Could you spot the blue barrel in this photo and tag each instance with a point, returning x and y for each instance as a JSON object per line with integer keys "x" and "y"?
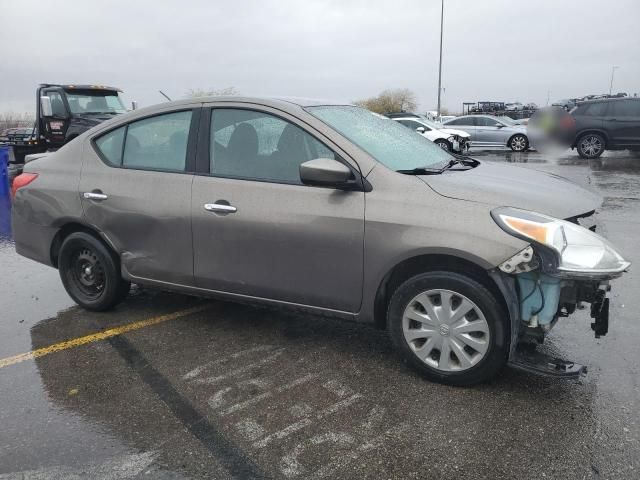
{"x": 4, "y": 171}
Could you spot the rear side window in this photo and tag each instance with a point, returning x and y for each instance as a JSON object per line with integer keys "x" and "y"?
{"x": 462, "y": 121}
{"x": 625, "y": 108}
{"x": 110, "y": 145}
{"x": 486, "y": 122}
{"x": 593, "y": 110}
{"x": 412, "y": 124}
{"x": 158, "y": 143}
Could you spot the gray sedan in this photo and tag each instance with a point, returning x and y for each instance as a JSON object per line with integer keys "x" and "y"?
{"x": 324, "y": 208}
{"x": 490, "y": 131}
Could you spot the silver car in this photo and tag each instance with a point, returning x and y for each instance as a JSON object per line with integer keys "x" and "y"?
{"x": 490, "y": 131}
{"x": 324, "y": 208}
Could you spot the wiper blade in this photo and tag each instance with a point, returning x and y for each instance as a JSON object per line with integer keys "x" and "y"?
{"x": 420, "y": 171}
{"x": 453, "y": 162}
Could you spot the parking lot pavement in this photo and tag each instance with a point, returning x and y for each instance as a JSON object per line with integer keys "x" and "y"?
{"x": 170, "y": 386}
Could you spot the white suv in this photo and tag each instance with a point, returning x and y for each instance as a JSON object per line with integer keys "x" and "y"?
{"x": 449, "y": 139}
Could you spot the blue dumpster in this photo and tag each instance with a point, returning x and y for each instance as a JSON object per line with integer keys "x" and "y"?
{"x": 5, "y": 202}
{"x": 4, "y": 172}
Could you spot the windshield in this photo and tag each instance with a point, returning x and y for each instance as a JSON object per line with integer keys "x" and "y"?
{"x": 507, "y": 120}
{"x": 389, "y": 142}
{"x": 95, "y": 101}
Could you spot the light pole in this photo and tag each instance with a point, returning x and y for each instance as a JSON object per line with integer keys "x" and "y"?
{"x": 613, "y": 69}
{"x": 440, "y": 66}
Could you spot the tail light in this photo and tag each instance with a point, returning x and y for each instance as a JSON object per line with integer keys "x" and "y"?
{"x": 20, "y": 181}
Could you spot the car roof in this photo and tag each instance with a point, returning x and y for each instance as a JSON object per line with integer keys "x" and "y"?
{"x": 276, "y": 102}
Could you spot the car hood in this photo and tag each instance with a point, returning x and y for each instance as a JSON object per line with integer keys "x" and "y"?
{"x": 453, "y": 131}
{"x": 510, "y": 186}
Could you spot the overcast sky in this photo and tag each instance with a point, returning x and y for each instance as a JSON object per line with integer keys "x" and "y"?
{"x": 501, "y": 50}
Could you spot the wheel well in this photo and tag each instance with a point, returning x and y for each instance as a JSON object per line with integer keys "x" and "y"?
{"x": 64, "y": 232}
{"x": 429, "y": 263}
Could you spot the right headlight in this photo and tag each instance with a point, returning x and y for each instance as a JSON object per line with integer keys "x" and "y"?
{"x": 578, "y": 250}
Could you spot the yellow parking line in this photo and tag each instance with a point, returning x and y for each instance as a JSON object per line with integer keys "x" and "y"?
{"x": 96, "y": 337}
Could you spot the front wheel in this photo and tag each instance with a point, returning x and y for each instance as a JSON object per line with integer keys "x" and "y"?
{"x": 449, "y": 327}
{"x": 518, "y": 143}
{"x": 90, "y": 272}
{"x": 443, "y": 144}
{"x": 591, "y": 145}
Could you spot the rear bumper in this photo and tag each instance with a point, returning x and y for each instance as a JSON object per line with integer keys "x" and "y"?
{"x": 33, "y": 241}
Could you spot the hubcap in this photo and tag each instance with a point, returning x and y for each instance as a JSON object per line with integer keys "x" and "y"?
{"x": 591, "y": 145}
{"x": 518, "y": 143}
{"x": 446, "y": 330}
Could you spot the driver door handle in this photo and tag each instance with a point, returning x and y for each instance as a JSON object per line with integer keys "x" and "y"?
{"x": 95, "y": 196}
{"x": 220, "y": 208}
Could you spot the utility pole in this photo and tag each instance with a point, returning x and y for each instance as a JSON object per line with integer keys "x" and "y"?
{"x": 613, "y": 69}
{"x": 440, "y": 67}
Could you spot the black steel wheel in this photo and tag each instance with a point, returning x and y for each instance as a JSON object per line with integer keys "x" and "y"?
{"x": 90, "y": 272}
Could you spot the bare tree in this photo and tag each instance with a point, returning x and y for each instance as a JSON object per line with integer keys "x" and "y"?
{"x": 394, "y": 100}
{"x": 211, "y": 92}
{"x": 14, "y": 120}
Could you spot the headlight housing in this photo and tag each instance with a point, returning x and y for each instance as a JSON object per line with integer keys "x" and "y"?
{"x": 578, "y": 250}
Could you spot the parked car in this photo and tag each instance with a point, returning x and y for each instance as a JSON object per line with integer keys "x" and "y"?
{"x": 453, "y": 140}
{"x": 458, "y": 258}
{"x": 513, "y": 106}
{"x": 566, "y": 103}
{"x": 443, "y": 118}
{"x": 606, "y": 124}
{"x": 490, "y": 131}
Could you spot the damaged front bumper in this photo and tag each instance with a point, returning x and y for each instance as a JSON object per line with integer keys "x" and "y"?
{"x": 539, "y": 293}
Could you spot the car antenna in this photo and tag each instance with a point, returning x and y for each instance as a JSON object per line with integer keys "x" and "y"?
{"x": 164, "y": 95}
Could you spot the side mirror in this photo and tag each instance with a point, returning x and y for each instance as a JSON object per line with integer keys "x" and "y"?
{"x": 421, "y": 129}
{"x": 45, "y": 107}
{"x": 499, "y": 125}
{"x": 325, "y": 172}
{"x": 134, "y": 105}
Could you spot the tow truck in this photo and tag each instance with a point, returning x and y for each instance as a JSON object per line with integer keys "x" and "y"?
{"x": 62, "y": 113}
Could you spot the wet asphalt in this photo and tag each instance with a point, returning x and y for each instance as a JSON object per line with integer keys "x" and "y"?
{"x": 234, "y": 391}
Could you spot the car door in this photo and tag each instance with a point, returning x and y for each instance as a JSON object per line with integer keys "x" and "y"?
{"x": 257, "y": 230}
{"x": 490, "y": 132}
{"x": 136, "y": 190}
{"x": 623, "y": 122}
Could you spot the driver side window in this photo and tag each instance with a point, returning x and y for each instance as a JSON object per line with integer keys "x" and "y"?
{"x": 259, "y": 146}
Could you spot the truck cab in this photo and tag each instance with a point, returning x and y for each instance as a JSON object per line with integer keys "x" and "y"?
{"x": 66, "y": 111}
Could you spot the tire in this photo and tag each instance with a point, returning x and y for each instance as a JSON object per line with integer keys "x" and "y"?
{"x": 590, "y": 145}
{"x": 467, "y": 365}
{"x": 90, "y": 272}
{"x": 518, "y": 143}
{"x": 443, "y": 144}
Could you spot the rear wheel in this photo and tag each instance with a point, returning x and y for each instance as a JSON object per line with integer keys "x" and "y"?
{"x": 443, "y": 144}
{"x": 90, "y": 272}
{"x": 449, "y": 327}
{"x": 591, "y": 145}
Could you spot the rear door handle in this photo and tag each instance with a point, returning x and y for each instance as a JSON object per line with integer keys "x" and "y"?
{"x": 220, "y": 208}
{"x": 95, "y": 196}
